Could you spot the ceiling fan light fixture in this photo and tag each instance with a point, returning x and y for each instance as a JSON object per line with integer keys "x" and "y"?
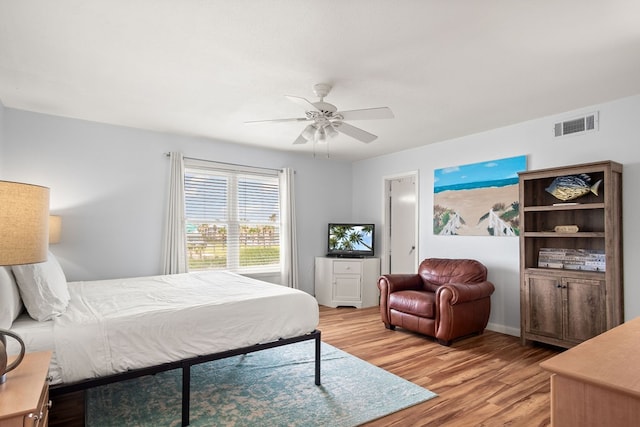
{"x": 309, "y": 132}
{"x": 330, "y": 131}
{"x": 321, "y": 135}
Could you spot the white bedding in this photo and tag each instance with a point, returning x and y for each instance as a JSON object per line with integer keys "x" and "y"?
{"x": 111, "y": 326}
{"x": 37, "y": 336}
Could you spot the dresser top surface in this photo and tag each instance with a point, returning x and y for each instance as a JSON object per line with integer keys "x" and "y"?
{"x": 609, "y": 360}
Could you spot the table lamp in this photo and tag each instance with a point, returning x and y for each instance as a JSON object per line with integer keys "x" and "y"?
{"x": 24, "y": 236}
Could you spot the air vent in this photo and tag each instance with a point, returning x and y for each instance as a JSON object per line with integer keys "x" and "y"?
{"x": 576, "y": 126}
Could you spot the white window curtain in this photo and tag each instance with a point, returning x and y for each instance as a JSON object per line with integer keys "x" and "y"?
{"x": 175, "y": 241}
{"x": 289, "y": 247}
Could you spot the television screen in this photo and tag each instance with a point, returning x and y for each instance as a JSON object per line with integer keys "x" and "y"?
{"x": 351, "y": 240}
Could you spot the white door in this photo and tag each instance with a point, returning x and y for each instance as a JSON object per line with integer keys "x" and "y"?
{"x": 402, "y": 225}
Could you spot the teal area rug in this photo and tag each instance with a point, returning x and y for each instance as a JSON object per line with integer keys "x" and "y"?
{"x": 272, "y": 387}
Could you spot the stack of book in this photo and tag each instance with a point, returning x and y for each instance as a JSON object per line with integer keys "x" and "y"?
{"x": 572, "y": 259}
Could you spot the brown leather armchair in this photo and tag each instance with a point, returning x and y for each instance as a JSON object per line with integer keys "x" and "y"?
{"x": 447, "y": 299}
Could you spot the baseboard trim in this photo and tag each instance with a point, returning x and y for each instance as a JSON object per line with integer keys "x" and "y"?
{"x": 503, "y": 329}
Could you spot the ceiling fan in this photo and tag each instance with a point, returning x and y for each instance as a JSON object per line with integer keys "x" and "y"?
{"x": 327, "y": 121}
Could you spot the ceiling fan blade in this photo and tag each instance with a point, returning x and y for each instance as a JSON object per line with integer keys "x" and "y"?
{"x": 307, "y": 105}
{"x": 354, "y": 132}
{"x": 367, "y": 114}
{"x": 300, "y": 140}
{"x": 297, "y": 119}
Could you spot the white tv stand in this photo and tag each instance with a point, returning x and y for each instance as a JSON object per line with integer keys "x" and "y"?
{"x": 347, "y": 281}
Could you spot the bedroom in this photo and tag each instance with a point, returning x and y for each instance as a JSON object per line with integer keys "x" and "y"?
{"x": 108, "y": 181}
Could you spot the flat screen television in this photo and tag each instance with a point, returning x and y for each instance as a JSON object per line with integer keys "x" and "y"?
{"x": 351, "y": 240}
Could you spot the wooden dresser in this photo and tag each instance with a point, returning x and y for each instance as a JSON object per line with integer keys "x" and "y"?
{"x": 24, "y": 397}
{"x": 597, "y": 383}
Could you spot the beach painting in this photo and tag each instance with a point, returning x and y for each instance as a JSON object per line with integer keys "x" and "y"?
{"x": 478, "y": 199}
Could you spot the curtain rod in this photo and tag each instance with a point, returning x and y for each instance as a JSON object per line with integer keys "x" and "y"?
{"x": 227, "y": 163}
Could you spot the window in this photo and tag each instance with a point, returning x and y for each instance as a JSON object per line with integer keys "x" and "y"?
{"x": 232, "y": 218}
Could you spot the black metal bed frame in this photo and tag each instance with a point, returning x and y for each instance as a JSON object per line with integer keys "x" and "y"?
{"x": 185, "y": 365}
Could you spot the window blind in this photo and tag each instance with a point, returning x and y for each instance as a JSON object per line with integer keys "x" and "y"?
{"x": 232, "y": 219}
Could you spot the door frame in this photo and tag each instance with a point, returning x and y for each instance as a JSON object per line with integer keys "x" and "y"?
{"x": 385, "y": 265}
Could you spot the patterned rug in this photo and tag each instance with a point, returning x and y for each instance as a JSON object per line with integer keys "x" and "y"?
{"x": 272, "y": 387}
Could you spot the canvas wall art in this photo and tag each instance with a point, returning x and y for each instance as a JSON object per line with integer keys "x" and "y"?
{"x": 478, "y": 199}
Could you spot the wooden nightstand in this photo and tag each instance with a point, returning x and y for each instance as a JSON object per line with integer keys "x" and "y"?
{"x": 24, "y": 397}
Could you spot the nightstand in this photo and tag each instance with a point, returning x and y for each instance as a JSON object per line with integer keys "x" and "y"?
{"x": 24, "y": 397}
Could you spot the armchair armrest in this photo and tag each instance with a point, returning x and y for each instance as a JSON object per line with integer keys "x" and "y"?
{"x": 389, "y": 283}
{"x": 462, "y": 309}
{"x": 458, "y": 293}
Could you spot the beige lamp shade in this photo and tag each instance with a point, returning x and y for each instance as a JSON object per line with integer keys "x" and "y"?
{"x": 24, "y": 223}
{"x": 55, "y": 229}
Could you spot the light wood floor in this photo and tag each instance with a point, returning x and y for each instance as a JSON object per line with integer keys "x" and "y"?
{"x": 487, "y": 380}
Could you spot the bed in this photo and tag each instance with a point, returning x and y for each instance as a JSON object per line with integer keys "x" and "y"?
{"x": 112, "y": 330}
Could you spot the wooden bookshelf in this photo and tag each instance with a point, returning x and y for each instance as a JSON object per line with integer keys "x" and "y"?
{"x": 560, "y": 306}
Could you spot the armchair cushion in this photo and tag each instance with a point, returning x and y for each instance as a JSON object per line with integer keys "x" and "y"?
{"x": 417, "y": 303}
{"x": 436, "y": 272}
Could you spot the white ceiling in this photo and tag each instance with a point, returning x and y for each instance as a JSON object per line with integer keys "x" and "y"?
{"x": 204, "y": 67}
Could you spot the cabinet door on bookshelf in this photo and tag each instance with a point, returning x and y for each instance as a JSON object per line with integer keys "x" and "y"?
{"x": 563, "y": 308}
{"x": 585, "y": 316}
{"x": 544, "y": 298}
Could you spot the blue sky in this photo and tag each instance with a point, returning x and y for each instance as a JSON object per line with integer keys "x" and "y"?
{"x": 490, "y": 170}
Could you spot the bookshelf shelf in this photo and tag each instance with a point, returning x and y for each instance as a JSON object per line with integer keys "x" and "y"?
{"x": 553, "y": 234}
{"x": 564, "y": 207}
{"x": 595, "y": 275}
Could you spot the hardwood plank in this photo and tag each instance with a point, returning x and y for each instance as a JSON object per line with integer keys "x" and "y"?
{"x": 487, "y": 380}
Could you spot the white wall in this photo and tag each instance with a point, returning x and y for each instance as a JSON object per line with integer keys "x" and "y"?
{"x": 617, "y": 139}
{"x": 108, "y": 184}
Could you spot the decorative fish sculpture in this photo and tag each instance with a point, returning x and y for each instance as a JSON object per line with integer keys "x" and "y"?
{"x": 572, "y": 186}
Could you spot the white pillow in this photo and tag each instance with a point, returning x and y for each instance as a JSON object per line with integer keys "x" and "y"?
{"x": 10, "y": 303}
{"x": 43, "y": 288}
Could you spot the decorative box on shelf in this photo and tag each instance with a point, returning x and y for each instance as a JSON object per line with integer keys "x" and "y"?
{"x": 566, "y": 229}
{"x": 572, "y": 259}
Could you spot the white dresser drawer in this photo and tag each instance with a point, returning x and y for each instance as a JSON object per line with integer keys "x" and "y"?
{"x": 347, "y": 267}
